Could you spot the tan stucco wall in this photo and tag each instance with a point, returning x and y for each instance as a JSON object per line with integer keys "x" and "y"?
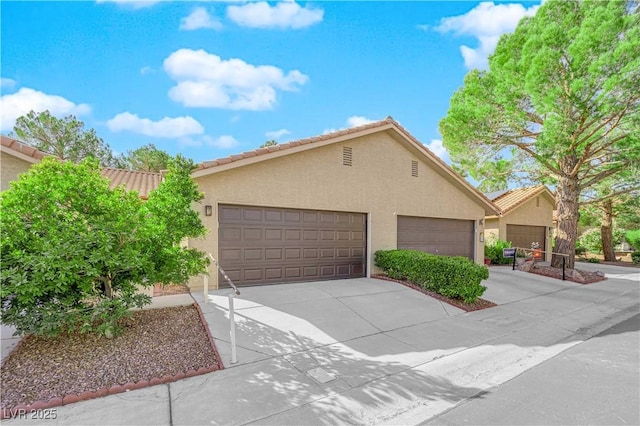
{"x": 530, "y": 214}
{"x": 11, "y": 167}
{"x": 378, "y": 183}
{"x": 491, "y": 229}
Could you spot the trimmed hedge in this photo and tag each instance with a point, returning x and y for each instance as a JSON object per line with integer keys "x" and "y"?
{"x": 635, "y": 256}
{"x": 453, "y": 277}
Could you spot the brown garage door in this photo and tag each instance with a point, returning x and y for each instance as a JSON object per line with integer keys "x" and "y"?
{"x": 266, "y": 245}
{"x": 450, "y": 237}
{"x": 524, "y": 235}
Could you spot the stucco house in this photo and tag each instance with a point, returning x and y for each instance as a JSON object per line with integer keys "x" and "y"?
{"x": 526, "y": 216}
{"x": 16, "y": 158}
{"x": 319, "y": 208}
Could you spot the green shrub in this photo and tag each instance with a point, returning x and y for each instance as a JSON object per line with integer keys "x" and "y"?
{"x": 592, "y": 260}
{"x": 635, "y": 257}
{"x": 453, "y": 277}
{"x": 592, "y": 239}
{"x": 580, "y": 250}
{"x": 493, "y": 250}
{"x": 633, "y": 238}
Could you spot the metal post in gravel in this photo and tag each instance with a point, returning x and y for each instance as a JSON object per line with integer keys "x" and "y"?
{"x": 232, "y": 322}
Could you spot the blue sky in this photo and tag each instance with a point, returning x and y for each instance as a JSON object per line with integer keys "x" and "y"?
{"x": 208, "y": 79}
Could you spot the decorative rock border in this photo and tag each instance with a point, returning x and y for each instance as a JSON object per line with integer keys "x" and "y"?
{"x": 7, "y": 413}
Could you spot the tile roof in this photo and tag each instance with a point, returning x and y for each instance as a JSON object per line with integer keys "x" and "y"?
{"x": 8, "y": 144}
{"x": 387, "y": 123}
{"x": 284, "y": 146}
{"x": 142, "y": 182}
{"x": 513, "y": 198}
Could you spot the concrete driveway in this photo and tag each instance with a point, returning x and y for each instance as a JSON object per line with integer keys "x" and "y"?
{"x": 366, "y": 351}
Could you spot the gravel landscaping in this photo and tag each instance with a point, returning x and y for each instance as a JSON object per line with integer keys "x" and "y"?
{"x": 156, "y": 343}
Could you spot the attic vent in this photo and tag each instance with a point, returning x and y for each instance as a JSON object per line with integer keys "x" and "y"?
{"x": 537, "y": 201}
{"x": 347, "y": 156}
{"x": 414, "y": 168}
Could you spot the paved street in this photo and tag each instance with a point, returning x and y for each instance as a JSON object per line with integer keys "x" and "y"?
{"x": 596, "y": 383}
{"x": 367, "y": 351}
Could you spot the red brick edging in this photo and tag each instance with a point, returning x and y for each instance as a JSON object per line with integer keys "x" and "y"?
{"x": 25, "y": 409}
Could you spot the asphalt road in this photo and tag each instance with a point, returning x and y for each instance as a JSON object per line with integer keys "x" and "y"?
{"x": 594, "y": 383}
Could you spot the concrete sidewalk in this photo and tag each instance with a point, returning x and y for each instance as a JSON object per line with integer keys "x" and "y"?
{"x": 367, "y": 351}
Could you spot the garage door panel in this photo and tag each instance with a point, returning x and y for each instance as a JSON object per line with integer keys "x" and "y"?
{"x": 449, "y": 237}
{"x": 271, "y": 245}
{"x": 524, "y": 235}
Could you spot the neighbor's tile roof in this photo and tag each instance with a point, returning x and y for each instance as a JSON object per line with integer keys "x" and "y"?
{"x": 24, "y": 149}
{"x": 142, "y": 182}
{"x": 513, "y": 198}
{"x": 284, "y": 146}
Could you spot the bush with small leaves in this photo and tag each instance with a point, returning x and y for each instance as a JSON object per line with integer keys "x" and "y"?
{"x": 453, "y": 277}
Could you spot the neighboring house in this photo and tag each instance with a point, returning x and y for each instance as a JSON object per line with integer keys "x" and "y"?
{"x": 319, "y": 208}
{"x": 526, "y": 216}
{"x": 142, "y": 182}
{"x": 15, "y": 159}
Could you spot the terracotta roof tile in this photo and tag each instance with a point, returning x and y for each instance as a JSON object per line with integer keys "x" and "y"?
{"x": 142, "y": 182}
{"x": 284, "y": 146}
{"x": 24, "y": 149}
{"x": 513, "y": 198}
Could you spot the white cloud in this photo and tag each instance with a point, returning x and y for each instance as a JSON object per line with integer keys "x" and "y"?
{"x": 287, "y": 14}
{"x": 146, "y": 70}
{"x": 438, "y": 149}
{"x": 222, "y": 142}
{"x": 200, "y": 18}
{"x": 206, "y": 80}
{"x": 25, "y": 100}
{"x": 353, "y": 121}
{"x": 134, "y": 4}
{"x": 486, "y": 22}
{"x": 277, "y": 134}
{"x": 7, "y": 83}
{"x": 358, "y": 120}
{"x": 165, "y": 128}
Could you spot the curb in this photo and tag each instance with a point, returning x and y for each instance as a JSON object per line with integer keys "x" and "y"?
{"x": 7, "y": 413}
{"x": 465, "y": 307}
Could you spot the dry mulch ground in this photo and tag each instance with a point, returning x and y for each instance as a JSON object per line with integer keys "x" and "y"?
{"x": 166, "y": 290}
{"x": 155, "y": 343}
{"x": 467, "y": 307}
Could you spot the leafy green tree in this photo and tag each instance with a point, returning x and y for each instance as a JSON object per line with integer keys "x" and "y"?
{"x": 147, "y": 158}
{"x": 560, "y": 103}
{"x": 270, "y": 142}
{"x": 74, "y": 251}
{"x": 65, "y": 138}
{"x": 613, "y": 203}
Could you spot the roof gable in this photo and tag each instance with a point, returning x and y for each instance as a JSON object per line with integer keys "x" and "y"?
{"x": 514, "y": 198}
{"x": 388, "y": 125}
{"x": 20, "y": 150}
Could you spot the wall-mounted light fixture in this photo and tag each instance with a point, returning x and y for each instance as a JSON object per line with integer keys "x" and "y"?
{"x": 481, "y": 221}
{"x": 208, "y": 210}
{"x": 482, "y": 237}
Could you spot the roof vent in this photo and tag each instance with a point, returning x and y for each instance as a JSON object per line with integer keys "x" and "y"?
{"x": 414, "y": 168}
{"x": 347, "y": 156}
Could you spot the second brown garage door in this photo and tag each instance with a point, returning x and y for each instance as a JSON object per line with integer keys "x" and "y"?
{"x": 266, "y": 245}
{"x": 524, "y": 235}
{"x": 449, "y": 237}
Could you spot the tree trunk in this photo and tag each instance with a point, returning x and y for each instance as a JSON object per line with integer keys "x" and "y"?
{"x": 606, "y": 231}
{"x": 567, "y": 194}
